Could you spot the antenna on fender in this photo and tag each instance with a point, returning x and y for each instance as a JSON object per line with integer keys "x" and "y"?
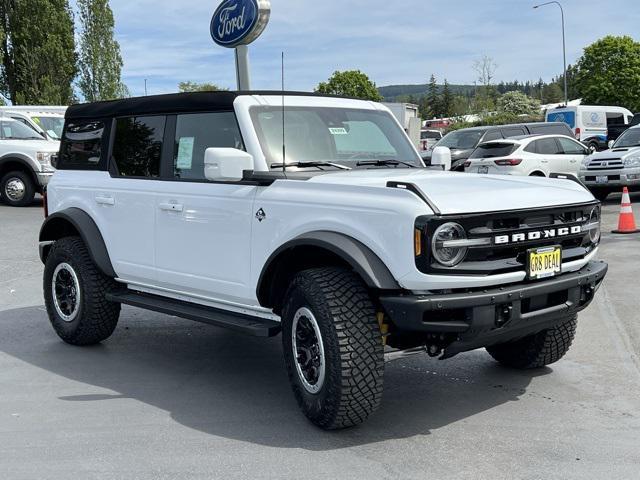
{"x": 284, "y": 153}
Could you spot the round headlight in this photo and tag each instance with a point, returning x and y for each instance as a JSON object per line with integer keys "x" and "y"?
{"x": 444, "y": 246}
{"x": 594, "y": 225}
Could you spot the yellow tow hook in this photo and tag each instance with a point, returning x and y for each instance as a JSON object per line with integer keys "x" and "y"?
{"x": 384, "y": 327}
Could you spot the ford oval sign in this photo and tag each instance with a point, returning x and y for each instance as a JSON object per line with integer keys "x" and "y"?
{"x": 239, "y": 22}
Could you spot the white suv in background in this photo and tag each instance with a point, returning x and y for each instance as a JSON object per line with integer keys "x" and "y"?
{"x": 25, "y": 162}
{"x": 46, "y": 120}
{"x": 534, "y": 155}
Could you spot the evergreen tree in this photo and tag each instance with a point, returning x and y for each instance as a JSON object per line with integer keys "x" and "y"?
{"x": 446, "y": 100}
{"x": 38, "y": 51}
{"x": 433, "y": 98}
{"x": 100, "y": 60}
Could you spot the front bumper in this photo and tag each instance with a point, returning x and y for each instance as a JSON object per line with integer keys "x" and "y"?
{"x": 624, "y": 177}
{"x": 480, "y": 318}
{"x": 43, "y": 178}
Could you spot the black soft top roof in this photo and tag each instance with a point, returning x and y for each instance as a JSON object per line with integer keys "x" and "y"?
{"x": 169, "y": 103}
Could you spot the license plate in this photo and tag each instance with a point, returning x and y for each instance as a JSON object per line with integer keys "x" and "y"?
{"x": 483, "y": 169}
{"x": 602, "y": 179}
{"x": 544, "y": 262}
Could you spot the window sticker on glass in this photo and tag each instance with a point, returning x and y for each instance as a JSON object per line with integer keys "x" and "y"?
{"x": 185, "y": 153}
{"x": 338, "y": 131}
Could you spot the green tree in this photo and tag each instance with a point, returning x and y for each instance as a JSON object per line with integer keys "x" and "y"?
{"x": 39, "y": 61}
{"x": 608, "y": 73}
{"x": 350, "y": 83}
{"x": 552, "y": 93}
{"x": 199, "y": 87}
{"x": 446, "y": 101}
{"x": 99, "y": 60}
{"x": 517, "y": 103}
{"x": 433, "y": 104}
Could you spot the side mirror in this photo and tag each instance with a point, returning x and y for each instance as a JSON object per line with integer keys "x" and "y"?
{"x": 610, "y": 144}
{"x": 226, "y": 164}
{"x": 441, "y": 156}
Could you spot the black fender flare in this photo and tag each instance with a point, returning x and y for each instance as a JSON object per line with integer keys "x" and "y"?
{"x": 65, "y": 222}
{"x": 361, "y": 258}
{"x": 21, "y": 160}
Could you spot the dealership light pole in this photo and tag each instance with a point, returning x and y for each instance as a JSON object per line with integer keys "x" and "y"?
{"x": 564, "y": 48}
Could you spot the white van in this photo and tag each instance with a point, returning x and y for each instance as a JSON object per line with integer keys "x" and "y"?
{"x": 590, "y": 124}
{"x": 47, "y": 120}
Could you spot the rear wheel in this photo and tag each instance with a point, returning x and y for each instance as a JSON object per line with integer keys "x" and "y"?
{"x": 332, "y": 347}
{"x": 17, "y": 189}
{"x": 538, "y": 350}
{"x": 74, "y": 293}
{"x": 593, "y": 147}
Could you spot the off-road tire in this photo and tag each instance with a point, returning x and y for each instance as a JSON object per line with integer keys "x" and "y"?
{"x": 353, "y": 350}
{"x": 97, "y": 317}
{"x": 29, "y": 189}
{"x": 538, "y": 350}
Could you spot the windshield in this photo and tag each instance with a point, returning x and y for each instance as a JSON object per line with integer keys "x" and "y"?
{"x": 338, "y": 135}
{"x": 461, "y": 139}
{"x": 12, "y": 130}
{"x": 52, "y": 125}
{"x": 630, "y": 138}
{"x": 492, "y": 150}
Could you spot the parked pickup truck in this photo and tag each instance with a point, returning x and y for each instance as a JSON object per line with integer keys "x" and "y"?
{"x": 338, "y": 238}
{"x": 615, "y": 130}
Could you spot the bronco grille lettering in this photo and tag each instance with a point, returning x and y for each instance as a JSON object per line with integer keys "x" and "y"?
{"x": 536, "y": 235}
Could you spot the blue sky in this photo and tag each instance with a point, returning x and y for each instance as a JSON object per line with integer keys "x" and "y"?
{"x": 394, "y": 42}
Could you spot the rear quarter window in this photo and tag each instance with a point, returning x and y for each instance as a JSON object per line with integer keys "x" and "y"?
{"x": 82, "y": 146}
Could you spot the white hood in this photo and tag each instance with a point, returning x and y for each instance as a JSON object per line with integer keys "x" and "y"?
{"x": 31, "y": 146}
{"x": 456, "y": 193}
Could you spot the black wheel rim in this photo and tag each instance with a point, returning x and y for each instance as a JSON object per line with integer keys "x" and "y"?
{"x": 65, "y": 289}
{"x": 308, "y": 350}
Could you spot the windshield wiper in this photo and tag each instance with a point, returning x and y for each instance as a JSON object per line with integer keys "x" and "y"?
{"x": 310, "y": 165}
{"x": 383, "y": 163}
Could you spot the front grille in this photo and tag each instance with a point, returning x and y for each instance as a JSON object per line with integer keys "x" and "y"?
{"x": 605, "y": 164}
{"x": 496, "y": 258}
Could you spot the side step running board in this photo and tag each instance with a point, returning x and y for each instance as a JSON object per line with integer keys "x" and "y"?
{"x": 238, "y": 322}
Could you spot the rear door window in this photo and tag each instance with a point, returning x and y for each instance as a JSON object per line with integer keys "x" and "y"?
{"x": 513, "y": 132}
{"x": 82, "y": 145}
{"x": 492, "y": 135}
{"x": 547, "y": 146}
{"x": 138, "y": 146}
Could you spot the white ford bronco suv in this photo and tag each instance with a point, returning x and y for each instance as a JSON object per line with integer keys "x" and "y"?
{"x": 312, "y": 216}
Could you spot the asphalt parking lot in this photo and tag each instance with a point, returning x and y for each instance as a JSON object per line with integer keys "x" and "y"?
{"x": 168, "y": 398}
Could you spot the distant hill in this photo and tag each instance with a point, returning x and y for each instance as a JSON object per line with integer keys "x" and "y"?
{"x": 392, "y": 92}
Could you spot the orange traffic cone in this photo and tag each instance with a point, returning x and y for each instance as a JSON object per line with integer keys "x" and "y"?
{"x": 626, "y": 222}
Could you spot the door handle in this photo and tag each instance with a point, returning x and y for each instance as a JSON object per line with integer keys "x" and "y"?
{"x": 171, "y": 207}
{"x": 105, "y": 200}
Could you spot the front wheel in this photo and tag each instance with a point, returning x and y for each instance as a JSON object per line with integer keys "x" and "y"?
{"x": 332, "y": 347}
{"x": 538, "y": 350}
{"x": 17, "y": 189}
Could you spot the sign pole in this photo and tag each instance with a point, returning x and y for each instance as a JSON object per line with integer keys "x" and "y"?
{"x": 242, "y": 67}
{"x": 237, "y": 23}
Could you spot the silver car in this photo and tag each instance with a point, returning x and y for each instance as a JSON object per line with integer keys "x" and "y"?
{"x": 607, "y": 172}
